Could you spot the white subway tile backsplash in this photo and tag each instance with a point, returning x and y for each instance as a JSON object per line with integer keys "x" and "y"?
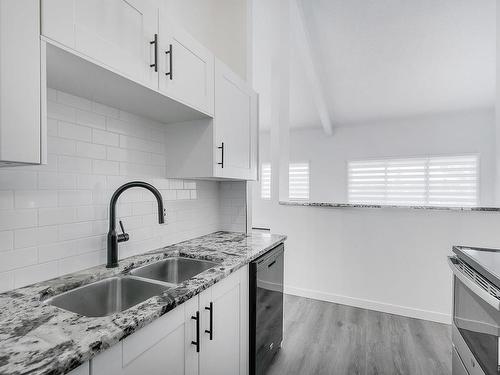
{"x": 88, "y": 213}
{"x": 73, "y": 131}
{"x": 6, "y": 199}
{"x": 11, "y": 260}
{"x": 183, "y": 194}
{"x": 54, "y": 180}
{"x": 73, "y": 101}
{"x": 93, "y": 120}
{"x": 121, "y": 154}
{"x": 134, "y": 143}
{"x": 6, "y": 240}
{"x": 52, "y": 127}
{"x": 15, "y": 219}
{"x": 31, "y": 274}
{"x": 51, "y": 216}
{"x": 105, "y": 138}
{"x": 105, "y": 167}
{"x": 105, "y": 110}
{"x": 74, "y": 198}
{"x": 61, "y": 146}
{"x": 17, "y": 179}
{"x": 35, "y": 198}
{"x": 176, "y": 184}
{"x": 54, "y": 218}
{"x": 76, "y": 230}
{"x": 74, "y": 165}
{"x": 61, "y": 112}
{"x": 89, "y": 150}
{"x": 35, "y": 236}
{"x": 91, "y": 182}
{"x": 51, "y": 94}
{"x": 73, "y": 264}
{"x": 6, "y": 281}
{"x": 127, "y": 128}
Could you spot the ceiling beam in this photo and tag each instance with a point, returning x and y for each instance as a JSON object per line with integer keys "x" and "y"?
{"x": 304, "y": 45}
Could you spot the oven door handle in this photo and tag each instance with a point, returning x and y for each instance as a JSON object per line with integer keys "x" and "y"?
{"x": 480, "y": 292}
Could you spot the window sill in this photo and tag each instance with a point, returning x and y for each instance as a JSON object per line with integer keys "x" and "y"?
{"x": 379, "y": 206}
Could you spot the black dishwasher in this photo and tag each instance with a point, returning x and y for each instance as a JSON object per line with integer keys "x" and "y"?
{"x": 266, "y": 309}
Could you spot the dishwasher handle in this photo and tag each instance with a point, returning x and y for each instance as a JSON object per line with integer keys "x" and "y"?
{"x": 473, "y": 285}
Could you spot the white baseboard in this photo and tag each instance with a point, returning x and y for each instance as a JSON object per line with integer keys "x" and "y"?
{"x": 370, "y": 305}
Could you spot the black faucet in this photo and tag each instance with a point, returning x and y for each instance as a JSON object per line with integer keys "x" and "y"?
{"x": 114, "y": 238}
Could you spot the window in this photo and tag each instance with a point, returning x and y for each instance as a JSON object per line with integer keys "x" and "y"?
{"x": 432, "y": 181}
{"x": 298, "y": 181}
{"x": 265, "y": 181}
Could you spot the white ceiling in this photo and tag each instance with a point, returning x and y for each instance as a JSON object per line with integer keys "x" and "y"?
{"x": 386, "y": 58}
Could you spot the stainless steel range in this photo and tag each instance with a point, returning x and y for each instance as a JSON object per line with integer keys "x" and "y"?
{"x": 476, "y": 311}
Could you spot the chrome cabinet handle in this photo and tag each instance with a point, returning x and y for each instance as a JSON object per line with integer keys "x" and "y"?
{"x": 211, "y": 330}
{"x": 476, "y": 289}
{"x": 155, "y": 42}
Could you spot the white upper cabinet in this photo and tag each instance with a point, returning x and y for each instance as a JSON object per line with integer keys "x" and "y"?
{"x": 119, "y": 34}
{"x": 236, "y": 126}
{"x": 186, "y": 67}
{"x": 222, "y": 148}
{"x": 22, "y": 86}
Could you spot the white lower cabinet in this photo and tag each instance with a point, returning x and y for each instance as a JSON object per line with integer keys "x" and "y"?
{"x": 207, "y": 335}
{"x": 83, "y": 369}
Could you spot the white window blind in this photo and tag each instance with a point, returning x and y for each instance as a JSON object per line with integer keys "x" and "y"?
{"x": 431, "y": 181}
{"x": 265, "y": 181}
{"x": 298, "y": 181}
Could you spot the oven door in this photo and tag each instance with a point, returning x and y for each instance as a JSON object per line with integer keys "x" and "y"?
{"x": 476, "y": 315}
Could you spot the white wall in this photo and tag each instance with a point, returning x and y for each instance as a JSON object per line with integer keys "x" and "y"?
{"x": 392, "y": 260}
{"x": 54, "y": 218}
{"x": 220, "y": 25}
{"x": 443, "y": 134}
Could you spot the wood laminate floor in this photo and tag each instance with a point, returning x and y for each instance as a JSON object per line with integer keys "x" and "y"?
{"x": 327, "y": 338}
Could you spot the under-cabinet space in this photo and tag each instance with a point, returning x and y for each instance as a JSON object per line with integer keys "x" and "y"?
{"x": 118, "y": 34}
{"x": 224, "y": 147}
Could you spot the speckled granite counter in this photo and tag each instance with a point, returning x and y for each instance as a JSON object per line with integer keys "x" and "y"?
{"x": 36, "y": 338}
{"x": 360, "y": 205}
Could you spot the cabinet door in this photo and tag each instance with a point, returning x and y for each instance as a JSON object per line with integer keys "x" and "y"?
{"x": 115, "y": 33}
{"x": 192, "y": 335}
{"x": 157, "y": 349}
{"x": 235, "y": 126}
{"x": 186, "y": 68}
{"x": 83, "y": 369}
{"x": 221, "y": 354}
{"x": 20, "y": 77}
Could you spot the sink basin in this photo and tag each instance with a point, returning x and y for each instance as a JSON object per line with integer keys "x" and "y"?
{"x": 174, "y": 270}
{"x": 106, "y": 297}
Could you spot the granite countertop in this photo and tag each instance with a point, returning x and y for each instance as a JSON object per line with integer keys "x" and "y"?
{"x": 360, "y": 205}
{"x": 37, "y": 338}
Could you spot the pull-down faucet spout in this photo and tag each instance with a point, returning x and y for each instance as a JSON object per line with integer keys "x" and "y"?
{"x": 113, "y": 237}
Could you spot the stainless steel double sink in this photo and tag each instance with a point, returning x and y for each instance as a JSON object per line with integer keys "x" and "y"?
{"x": 117, "y": 294}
